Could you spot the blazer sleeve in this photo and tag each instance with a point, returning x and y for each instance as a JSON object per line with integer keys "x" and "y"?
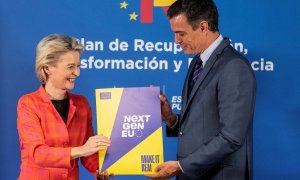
{"x": 236, "y": 98}
{"x": 32, "y": 141}
{"x": 91, "y": 163}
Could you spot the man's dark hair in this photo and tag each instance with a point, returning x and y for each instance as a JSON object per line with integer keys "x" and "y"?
{"x": 196, "y": 11}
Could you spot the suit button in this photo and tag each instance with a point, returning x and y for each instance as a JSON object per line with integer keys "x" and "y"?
{"x": 65, "y": 176}
{"x": 180, "y": 133}
{"x": 65, "y": 144}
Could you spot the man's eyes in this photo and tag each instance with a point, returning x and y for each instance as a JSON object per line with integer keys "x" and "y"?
{"x": 181, "y": 34}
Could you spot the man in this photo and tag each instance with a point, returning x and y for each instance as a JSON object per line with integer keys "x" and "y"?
{"x": 215, "y": 125}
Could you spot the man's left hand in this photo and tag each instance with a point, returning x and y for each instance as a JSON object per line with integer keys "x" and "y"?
{"x": 166, "y": 170}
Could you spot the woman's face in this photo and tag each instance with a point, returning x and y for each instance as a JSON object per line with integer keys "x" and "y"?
{"x": 64, "y": 73}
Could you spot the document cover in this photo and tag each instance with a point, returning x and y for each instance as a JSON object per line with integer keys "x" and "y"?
{"x": 131, "y": 118}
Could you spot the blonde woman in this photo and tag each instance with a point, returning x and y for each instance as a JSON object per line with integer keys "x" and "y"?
{"x": 54, "y": 125}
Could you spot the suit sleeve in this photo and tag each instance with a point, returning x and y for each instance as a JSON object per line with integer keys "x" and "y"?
{"x": 236, "y": 96}
{"x": 91, "y": 163}
{"x": 32, "y": 139}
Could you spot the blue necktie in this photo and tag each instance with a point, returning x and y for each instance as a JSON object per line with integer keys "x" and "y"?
{"x": 197, "y": 69}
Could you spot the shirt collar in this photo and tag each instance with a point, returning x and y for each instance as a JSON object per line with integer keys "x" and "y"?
{"x": 207, "y": 53}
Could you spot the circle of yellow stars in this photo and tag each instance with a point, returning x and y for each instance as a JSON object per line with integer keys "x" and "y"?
{"x": 132, "y": 16}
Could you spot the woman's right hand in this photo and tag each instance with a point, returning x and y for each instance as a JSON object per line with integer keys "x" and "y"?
{"x": 92, "y": 145}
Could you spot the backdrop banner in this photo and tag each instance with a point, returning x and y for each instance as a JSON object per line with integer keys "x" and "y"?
{"x": 129, "y": 43}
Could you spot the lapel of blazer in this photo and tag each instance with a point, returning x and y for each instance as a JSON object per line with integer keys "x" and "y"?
{"x": 209, "y": 64}
{"x": 47, "y": 100}
{"x": 72, "y": 109}
{"x": 186, "y": 83}
{"x": 43, "y": 94}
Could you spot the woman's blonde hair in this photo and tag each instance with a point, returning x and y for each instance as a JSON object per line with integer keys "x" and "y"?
{"x": 50, "y": 49}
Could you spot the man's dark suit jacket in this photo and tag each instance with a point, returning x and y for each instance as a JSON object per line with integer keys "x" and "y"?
{"x": 215, "y": 125}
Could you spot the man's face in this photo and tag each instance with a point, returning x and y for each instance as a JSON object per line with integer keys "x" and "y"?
{"x": 191, "y": 41}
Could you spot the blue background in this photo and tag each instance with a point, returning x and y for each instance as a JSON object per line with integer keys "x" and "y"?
{"x": 268, "y": 29}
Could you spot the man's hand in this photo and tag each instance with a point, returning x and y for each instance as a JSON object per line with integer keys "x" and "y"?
{"x": 166, "y": 111}
{"x": 104, "y": 175}
{"x": 166, "y": 170}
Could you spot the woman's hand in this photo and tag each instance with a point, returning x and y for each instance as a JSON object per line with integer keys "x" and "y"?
{"x": 92, "y": 145}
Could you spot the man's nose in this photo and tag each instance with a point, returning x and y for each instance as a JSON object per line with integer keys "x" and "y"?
{"x": 177, "y": 39}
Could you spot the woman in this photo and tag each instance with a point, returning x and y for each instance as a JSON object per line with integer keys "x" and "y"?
{"x": 55, "y": 126}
